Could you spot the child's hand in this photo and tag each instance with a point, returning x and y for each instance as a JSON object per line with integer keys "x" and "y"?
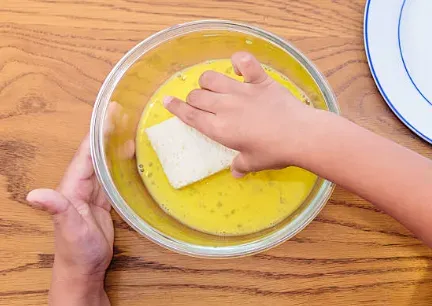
{"x": 271, "y": 129}
{"x": 84, "y": 233}
{"x": 259, "y": 118}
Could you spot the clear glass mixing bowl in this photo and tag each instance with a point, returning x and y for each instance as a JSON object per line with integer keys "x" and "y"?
{"x": 134, "y": 80}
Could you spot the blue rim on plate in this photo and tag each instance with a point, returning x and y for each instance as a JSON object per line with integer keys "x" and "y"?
{"x": 402, "y": 56}
{"x": 374, "y": 75}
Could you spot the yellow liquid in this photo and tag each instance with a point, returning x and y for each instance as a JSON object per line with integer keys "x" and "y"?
{"x": 220, "y": 204}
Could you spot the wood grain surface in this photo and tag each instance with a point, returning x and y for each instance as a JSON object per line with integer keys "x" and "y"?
{"x": 54, "y": 55}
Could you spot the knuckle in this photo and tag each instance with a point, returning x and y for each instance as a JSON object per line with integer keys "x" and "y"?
{"x": 244, "y": 164}
{"x": 191, "y": 116}
{"x": 249, "y": 65}
{"x": 210, "y": 130}
{"x": 246, "y": 56}
{"x": 221, "y": 127}
{"x": 193, "y": 96}
{"x": 207, "y": 78}
{"x": 247, "y": 60}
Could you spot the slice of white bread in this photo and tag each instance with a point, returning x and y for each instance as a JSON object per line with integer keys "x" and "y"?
{"x": 186, "y": 155}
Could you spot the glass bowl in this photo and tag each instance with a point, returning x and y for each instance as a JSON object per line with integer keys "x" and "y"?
{"x": 134, "y": 80}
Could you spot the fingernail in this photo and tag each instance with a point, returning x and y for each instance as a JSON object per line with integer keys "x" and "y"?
{"x": 29, "y": 197}
{"x": 237, "y": 174}
{"x": 167, "y": 100}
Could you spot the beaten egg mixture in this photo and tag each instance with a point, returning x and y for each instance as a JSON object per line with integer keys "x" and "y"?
{"x": 220, "y": 204}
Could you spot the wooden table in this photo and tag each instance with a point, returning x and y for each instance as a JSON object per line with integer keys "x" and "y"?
{"x": 54, "y": 55}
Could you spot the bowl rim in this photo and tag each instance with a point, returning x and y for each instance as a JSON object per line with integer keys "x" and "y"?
{"x": 120, "y": 205}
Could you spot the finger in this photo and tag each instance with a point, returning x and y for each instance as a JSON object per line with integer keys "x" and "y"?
{"x": 240, "y": 166}
{"x": 194, "y": 117}
{"x": 80, "y": 169}
{"x": 81, "y": 166}
{"x": 48, "y": 200}
{"x": 217, "y": 82}
{"x": 246, "y": 65}
{"x": 126, "y": 150}
{"x": 204, "y": 100}
{"x": 101, "y": 199}
{"x": 104, "y": 222}
{"x": 109, "y": 124}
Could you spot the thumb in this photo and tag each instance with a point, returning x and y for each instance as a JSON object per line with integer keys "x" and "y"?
{"x": 246, "y": 65}
{"x": 48, "y": 200}
{"x": 240, "y": 166}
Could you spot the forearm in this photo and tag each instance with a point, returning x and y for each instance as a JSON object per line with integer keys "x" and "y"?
{"x": 68, "y": 289}
{"x": 395, "y": 179}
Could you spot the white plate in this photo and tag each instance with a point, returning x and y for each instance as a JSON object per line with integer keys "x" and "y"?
{"x": 398, "y": 41}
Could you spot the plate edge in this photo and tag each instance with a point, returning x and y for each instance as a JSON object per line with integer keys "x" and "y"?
{"x": 376, "y": 80}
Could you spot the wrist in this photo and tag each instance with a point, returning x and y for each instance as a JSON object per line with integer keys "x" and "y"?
{"x": 82, "y": 269}
{"x": 318, "y": 127}
{"x": 62, "y": 274}
{"x": 71, "y": 287}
